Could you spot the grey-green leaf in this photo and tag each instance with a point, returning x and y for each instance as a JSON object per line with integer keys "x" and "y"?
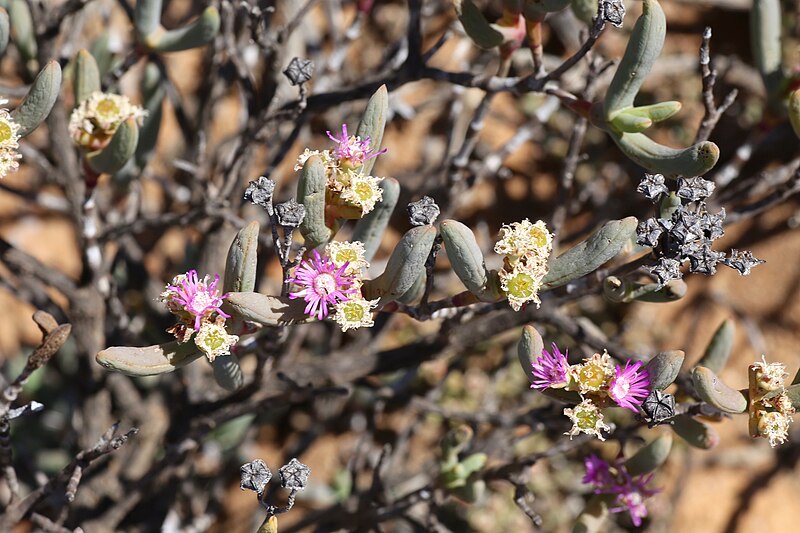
{"x": 227, "y": 372}
{"x": 266, "y": 310}
{"x": 694, "y": 432}
{"x": 715, "y": 392}
{"x": 663, "y": 368}
{"x": 651, "y": 456}
{"x": 5, "y": 31}
{"x": 22, "y": 29}
{"x": 40, "y": 99}
{"x": 405, "y": 265}
{"x": 193, "y": 35}
{"x": 118, "y": 151}
{"x": 529, "y": 348}
{"x": 590, "y": 254}
{"x": 86, "y": 76}
{"x": 466, "y": 259}
{"x": 719, "y": 349}
{"x": 153, "y": 93}
{"x": 242, "y": 265}
{"x": 150, "y": 360}
{"x": 311, "y": 188}
{"x": 475, "y": 24}
{"x": 373, "y": 122}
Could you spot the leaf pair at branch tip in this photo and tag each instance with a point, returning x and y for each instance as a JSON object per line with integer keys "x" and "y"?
{"x": 155, "y": 38}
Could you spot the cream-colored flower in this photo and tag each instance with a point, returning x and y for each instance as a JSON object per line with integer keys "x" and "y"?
{"x": 769, "y": 376}
{"x": 525, "y": 239}
{"x": 586, "y": 418}
{"x": 362, "y": 192}
{"x": 521, "y": 285}
{"x": 9, "y": 142}
{"x": 350, "y": 252}
{"x": 97, "y": 118}
{"x": 774, "y": 426}
{"x": 325, "y": 155}
{"x": 594, "y": 373}
{"x": 213, "y": 340}
{"x": 355, "y": 313}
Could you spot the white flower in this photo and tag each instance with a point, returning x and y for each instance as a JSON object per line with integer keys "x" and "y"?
{"x": 769, "y": 376}
{"x": 9, "y": 137}
{"x": 355, "y": 313}
{"x": 525, "y": 239}
{"x": 586, "y": 418}
{"x": 522, "y": 285}
{"x": 362, "y": 192}
{"x": 213, "y": 340}
{"x": 97, "y": 118}
{"x": 774, "y": 426}
{"x": 350, "y": 252}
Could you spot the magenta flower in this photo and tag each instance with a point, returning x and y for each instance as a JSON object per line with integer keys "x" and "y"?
{"x": 323, "y": 284}
{"x": 352, "y": 148}
{"x": 630, "y": 491}
{"x": 550, "y": 369}
{"x": 199, "y": 299}
{"x": 629, "y": 386}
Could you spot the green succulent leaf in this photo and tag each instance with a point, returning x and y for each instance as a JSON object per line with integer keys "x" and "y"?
{"x": 147, "y": 16}
{"x": 86, "y": 76}
{"x": 227, "y": 372}
{"x": 118, "y": 151}
{"x": 40, "y": 99}
{"x": 311, "y": 188}
{"x": 193, "y": 35}
{"x": 404, "y": 267}
{"x": 694, "y": 432}
{"x": 644, "y": 47}
{"x": 5, "y": 31}
{"x": 529, "y": 348}
{"x": 266, "y": 310}
{"x": 150, "y": 360}
{"x": 765, "y": 40}
{"x": 651, "y": 456}
{"x": 663, "y": 368}
{"x": 23, "y": 31}
{"x": 719, "y": 349}
{"x": 695, "y": 160}
{"x": 585, "y": 10}
{"x": 794, "y": 111}
{"x": 590, "y": 254}
{"x": 373, "y": 122}
{"x": 477, "y": 27}
{"x": 466, "y": 259}
{"x": 153, "y": 92}
{"x": 242, "y": 265}
{"x": 715, "y": 392}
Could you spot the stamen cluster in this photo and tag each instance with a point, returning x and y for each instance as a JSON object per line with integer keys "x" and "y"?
{"x": 526, "y": 247}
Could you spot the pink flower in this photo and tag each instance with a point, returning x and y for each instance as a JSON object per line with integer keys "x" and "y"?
{"x": 353, "y": 149}
{"x": 550, "y": 369}
{"x": 194, "y": 297}
{"x": 323, "y": 284}
{"x": 630, "y": 491}
{"x": 629, "y": 386}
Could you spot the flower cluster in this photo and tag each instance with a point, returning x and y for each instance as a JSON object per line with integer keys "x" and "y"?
{"x": 526, "y": 247}
{"x": 197, "y": 305}
{"x": 96, "y": 119}
{"x": 333, "y": 280}
{"x": 597, "y": 380}
{"x": 349, "y": 186}
{"x": 9, "y": 142}
{"x": 771, "y": 408}
{"x": 685, "y": 230}
{"x": 613, "y": 478}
